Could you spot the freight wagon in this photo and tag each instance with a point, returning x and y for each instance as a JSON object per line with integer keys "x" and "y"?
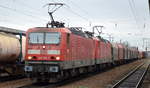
{"x": 12, "y": 52}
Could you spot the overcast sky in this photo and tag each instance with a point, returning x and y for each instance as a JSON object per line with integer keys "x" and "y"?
{"x": 125, "y": 20}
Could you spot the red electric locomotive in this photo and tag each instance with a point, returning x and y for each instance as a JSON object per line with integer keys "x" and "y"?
{"x": 56, "y": 52}
{"x": 104, "y": 52}
{"x": 52, "y": 50}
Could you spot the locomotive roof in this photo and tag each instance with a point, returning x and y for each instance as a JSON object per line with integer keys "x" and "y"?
{"x": 45, "y": 29}
{"x": 74, "y": 30}
{"x": 102, "y": 39}
{"x": 78, "y": 31}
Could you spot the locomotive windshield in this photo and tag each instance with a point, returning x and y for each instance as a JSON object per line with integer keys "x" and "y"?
{"x": 44, "y": 38}
{"x": 52, "y": 38}
{"x": 36, "y": 38}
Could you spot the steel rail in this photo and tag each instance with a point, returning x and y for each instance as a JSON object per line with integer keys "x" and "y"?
{"x": 142, "y": 77}
{"x": 127, "y": 76}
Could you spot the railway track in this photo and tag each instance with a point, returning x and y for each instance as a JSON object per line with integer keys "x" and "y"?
{"x": 64, "y": 82}
{"x": 15, "y": 83}
{"x": 146, "y": 82}
{"x": 40, "y": 85}
{"x": 134, "y": 79}
{"x": 10, "y": 78}
{"x": 58, "y": 84}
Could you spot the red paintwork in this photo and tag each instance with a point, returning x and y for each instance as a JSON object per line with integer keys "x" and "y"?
{"x": 103, "y": 49}
{"x": 44, "y": 55}
{"x": 97, "y": 48}
{"x": 78, "y": 48}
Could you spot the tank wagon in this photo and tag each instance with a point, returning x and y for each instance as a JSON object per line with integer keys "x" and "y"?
{"x": 11, "y": 52}
{"x": 9, "y": 48}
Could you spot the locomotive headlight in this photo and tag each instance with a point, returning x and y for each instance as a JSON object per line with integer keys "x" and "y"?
{"x": 29, "y": 57}
{"x": 57, "y": 58}
{"x": 44, "y": 47}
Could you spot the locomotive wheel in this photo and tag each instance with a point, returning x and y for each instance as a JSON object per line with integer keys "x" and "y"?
{"x": 73, "y": 72}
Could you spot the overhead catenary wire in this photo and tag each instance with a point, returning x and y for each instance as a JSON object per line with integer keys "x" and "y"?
{"x": 5, "y": 18}
{"x": 20, "y": 12}
{"x": 68, "y": 8}
{"x": 133, "y": 12}
{"x": 137, "y": 12}
{"x": 143, "y": 24}
{"x": 134, "y": 6}
{"x": 27, "y": 6}
{"x": 78, "y": 7}
{"x": 32, "y": 10}
{"x": 75, "y": 13}
{"x": 82, "y": 10}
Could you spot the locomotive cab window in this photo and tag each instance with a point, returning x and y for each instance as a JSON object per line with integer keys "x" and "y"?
{"x": 44, "y": 38}
{"x": 52, "y": 38}
{"x": 36, "y": 38}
